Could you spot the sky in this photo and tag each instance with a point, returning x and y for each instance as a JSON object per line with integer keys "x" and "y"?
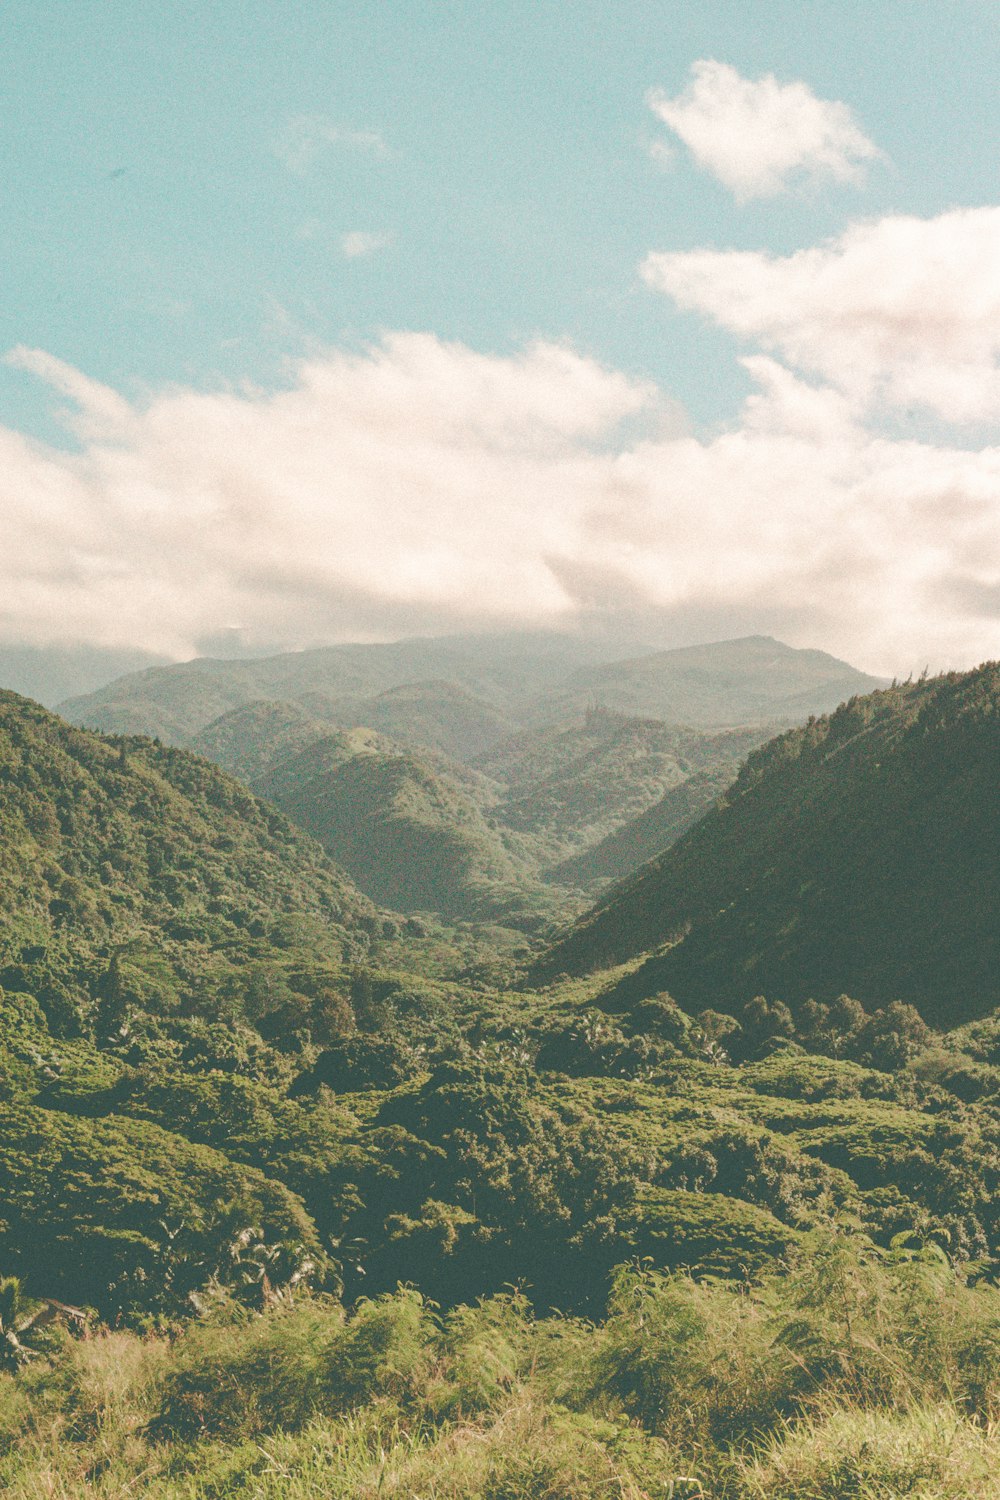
{"x": 347, "y": 321}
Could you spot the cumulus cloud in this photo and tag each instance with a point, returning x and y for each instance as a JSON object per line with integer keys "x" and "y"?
{"x": 900, "y": 310}
{"x": 420, "y": 485}
{"x": 759, "y": 136}
{"x": 357, "y": 243}
{"x": 306, "y": 137}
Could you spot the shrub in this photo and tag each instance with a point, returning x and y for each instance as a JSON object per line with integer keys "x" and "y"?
{"x": 240, "y": 1377}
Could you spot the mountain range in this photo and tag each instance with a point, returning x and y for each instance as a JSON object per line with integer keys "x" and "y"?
{"x": 223, "y": 1058}
{"x": 492, "y": 767}
{"x": 483, "y": 687}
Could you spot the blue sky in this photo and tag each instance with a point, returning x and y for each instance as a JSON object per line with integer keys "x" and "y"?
{"x": 153, "y": 232}
{"x": 197, "y": 196}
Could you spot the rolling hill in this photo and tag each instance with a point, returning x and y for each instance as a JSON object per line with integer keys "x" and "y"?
{"x": 414, "y": 832}
{"x": 141, "y": 877}
{"x": 857, "y": 854}
{"x": 498, "y": 826}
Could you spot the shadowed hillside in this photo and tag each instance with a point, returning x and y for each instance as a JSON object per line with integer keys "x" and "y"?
{"x": 856, "y": 854}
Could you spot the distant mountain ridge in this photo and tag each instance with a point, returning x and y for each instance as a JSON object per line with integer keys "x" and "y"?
{"x": 752, "y": 680}
{"x": 856, "y": 854}
{"x": 513, "y": 681}
{"x": 175, "y": 702}
{"x": 491, "y": 763}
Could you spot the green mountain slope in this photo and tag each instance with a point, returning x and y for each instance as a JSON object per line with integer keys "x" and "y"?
{"x": 653, "y": 831}
{"x": 544, "y": 794}
{"x": 196, "y": 1091}
{"x": 572, "y": 785}
{"x": 131, "y": 869}
{"x": 856, "y": 854}
{"x": 429, "y": 715}
{"x": 248, "y": 741}
{"x": 436, "y": 715}
{"x": 412, "y": 830}
{"x": 753, "y": 680}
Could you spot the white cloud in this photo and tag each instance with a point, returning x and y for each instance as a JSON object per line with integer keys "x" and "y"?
{"x": 358, "y": 243}
{"x": 423, "y": 486}
{"x": 757, "y": 137}
{"x": 306, "y": 137}
{"x": 900, "y": 310}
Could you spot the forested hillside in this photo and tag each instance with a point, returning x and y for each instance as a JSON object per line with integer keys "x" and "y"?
{"x": 856, "y": 854}
{"x": 567, "y": 753}
{"x": 651, "y": 832}
{"x": 126, "y": 864}
{"x": 718, "y": 1250}
{"x": 419, "y": 831}
{"x": 414, "y": 831}
{"x": 573, "y": 784}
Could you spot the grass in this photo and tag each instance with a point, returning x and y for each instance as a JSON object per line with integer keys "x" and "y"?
{"x": 849, "y": 1376}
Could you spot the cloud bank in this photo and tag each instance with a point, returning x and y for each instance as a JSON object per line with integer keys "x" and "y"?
{"x": 902, "y": 311}
{"x": 760, "y": 137}
{"x": 421, "y": 486}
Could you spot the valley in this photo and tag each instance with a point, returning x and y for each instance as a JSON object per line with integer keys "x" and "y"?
{"x": 421, "y": 1030}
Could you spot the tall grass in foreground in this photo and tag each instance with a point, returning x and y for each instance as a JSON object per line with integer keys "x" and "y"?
{"x": 853, "y": 1376}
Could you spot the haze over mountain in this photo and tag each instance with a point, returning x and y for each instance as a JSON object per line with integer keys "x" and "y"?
{"x": 753, "y": 680}
{"x": 51, "y": 673}
{"x": 522, "y": 679}
{"x": 175, "y": 702}
{"x": 488, "y": 1009}
{"x": 857, "y": 854}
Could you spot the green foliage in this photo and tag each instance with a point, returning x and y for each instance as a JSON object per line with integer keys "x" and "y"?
{"x": 249, "y": 1377}
{"x": 140, "y": 880}
{"x": 126, "y": 1216}
{"x": 210, "y": 1098}
{"x": 851, "y": 1373}
{"x": 414, "y": 831}
{"x": 856, "y": 854}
